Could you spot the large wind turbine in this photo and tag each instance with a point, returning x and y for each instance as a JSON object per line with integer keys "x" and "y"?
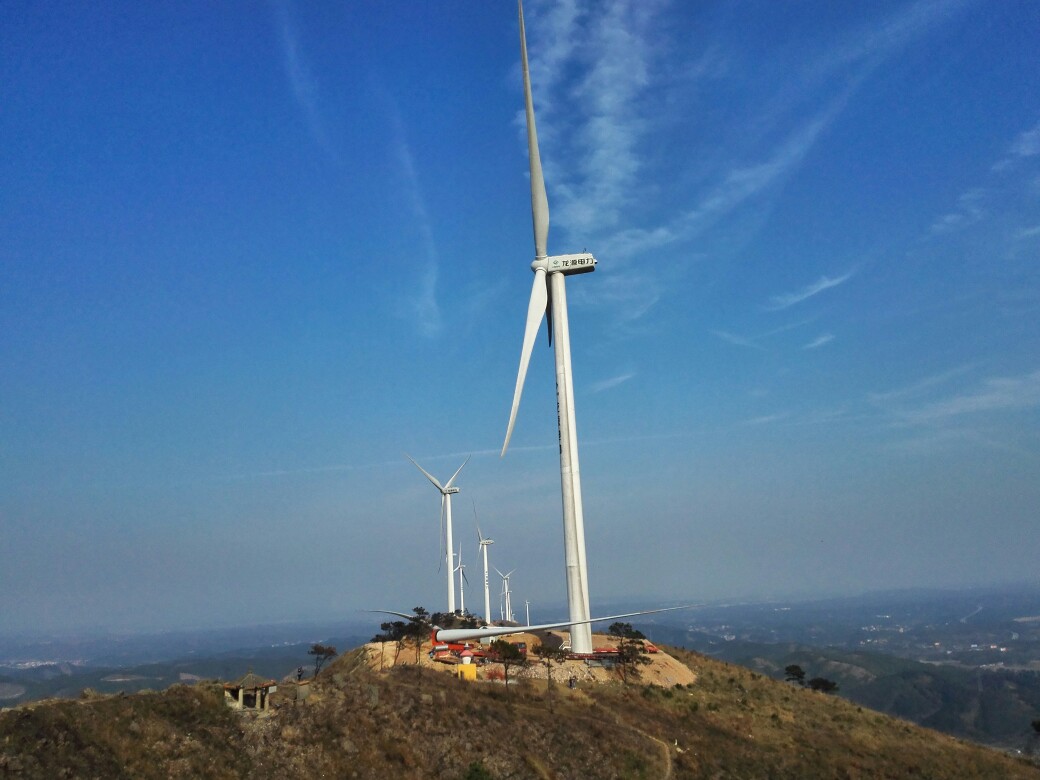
{"x": 447, "y": 491}
{"x": 549, "y": 296}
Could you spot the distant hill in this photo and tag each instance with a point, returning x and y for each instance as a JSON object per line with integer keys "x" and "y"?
{"x": 417, "y": 723}
{"x": 992, "y": 706}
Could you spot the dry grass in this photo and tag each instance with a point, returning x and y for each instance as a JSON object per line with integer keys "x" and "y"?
{"x": 416, "y": 723}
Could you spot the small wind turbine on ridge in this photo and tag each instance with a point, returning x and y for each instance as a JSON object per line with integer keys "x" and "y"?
{"x": 549, "y": 298}
{"x": 484, "y": 544}
{"x": 461, "y": 569}
{"x": 447, "y": 490}
{"x": 506, "y": 604}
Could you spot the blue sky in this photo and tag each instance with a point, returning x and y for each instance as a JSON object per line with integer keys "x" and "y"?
{"x": 254, "y": 253}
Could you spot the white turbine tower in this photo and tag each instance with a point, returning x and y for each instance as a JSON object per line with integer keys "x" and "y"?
{"x": 506, "y": 604}
{"x": 447, "y": 491}
{"x": 484, "y": 544}
{"x": 549, "y": 296}
{"x": 461, "y": 569}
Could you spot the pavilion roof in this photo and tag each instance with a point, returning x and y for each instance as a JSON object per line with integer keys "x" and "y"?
{"x": 251, "y": 682}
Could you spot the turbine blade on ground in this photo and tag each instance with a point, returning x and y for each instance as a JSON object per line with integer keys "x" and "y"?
{"x": 468, "y": 634}
{"x": 535, "y": 311}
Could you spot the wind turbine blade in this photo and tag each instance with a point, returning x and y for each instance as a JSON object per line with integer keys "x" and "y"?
{"x": 429, "y": 476}
{"x": 539, "y": 201}
{"x": 449, "y": 483}
{"x": 535, "y": 311}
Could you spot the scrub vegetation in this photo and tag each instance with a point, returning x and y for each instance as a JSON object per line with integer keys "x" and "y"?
{"x": 410, "y": 722}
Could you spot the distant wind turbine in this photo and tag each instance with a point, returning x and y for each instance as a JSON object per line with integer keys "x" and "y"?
{"x": 506, "y": 604}
{"x": 549, "y": 296}
{"x": 461, "y": 569}
{"x": 484, "y": 544}
{"x": 447, "y": 491}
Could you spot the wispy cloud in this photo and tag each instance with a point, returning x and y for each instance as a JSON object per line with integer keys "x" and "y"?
{"x": 996, "y": 394}
{"x": 970, "y": 209}
{"x": 767, "y": 418}
{"x": 601, "y": 74}
{"x": 631, "y": 294}
{"x": 981, "y": 203}
{"x": 920, "y": 386}
{"x": 786, "y": 300}
{"x": 870, "y": 46}
{"x": 614, "y": 45}
{"x": 301, "y": 80}
{"x": 737, "y": 186}
{"x": 606, "y": 384}
{"x": 819, "y": 341}
{"x": 740, "y": 341}
{"x": 744, "y": 182}
{"x": 422, "y": 301}
{"x": 1027, "y": 144}
{"x": 755, "y": 342}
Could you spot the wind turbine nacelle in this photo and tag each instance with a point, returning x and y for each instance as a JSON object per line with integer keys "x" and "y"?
{"x": 452, "y": 491}
{"x": 581, "y": 263}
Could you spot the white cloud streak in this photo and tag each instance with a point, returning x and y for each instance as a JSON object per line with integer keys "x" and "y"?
{"x": 600, "y": 72}
{"x": 755, "y": 342}
{"x": 304, "y": 86}
{"x": 767, "y": 418}
{"x": 778, "y": 302}
{"x": 607, "y": 384}
{"x": 997, "y": 394}
{"x": 424, "y": 307}
{"x": 1026, "y": 144}
{"x": 819, "y": 341}
{"x": 613, "y": 44}
{"x": 921, "y": 386}
{"x": 970, "y": 210}
{"x": 739, "y": 341}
